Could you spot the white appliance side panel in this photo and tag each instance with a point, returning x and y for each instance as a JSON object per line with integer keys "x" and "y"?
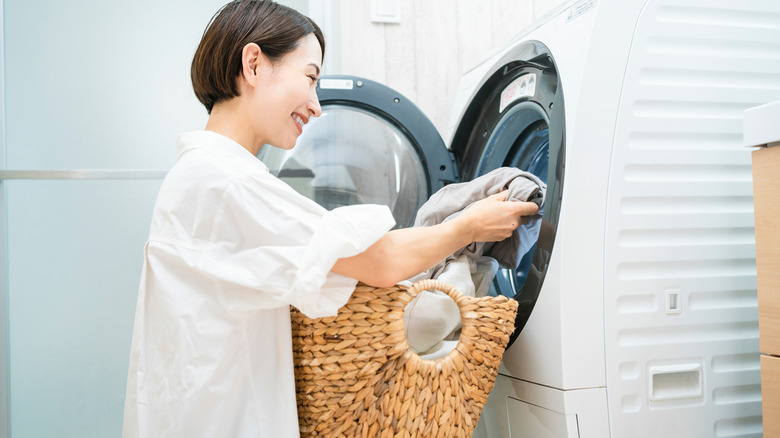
{"x": 680, "y": 277}
{"x": 520, "y": 409}
{"x": 580, "y": 239}
{"x": 570, "y": 355}
{"x": 539, "y": 354}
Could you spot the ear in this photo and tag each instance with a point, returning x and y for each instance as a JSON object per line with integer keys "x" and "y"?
{"x": 252, "y": 59}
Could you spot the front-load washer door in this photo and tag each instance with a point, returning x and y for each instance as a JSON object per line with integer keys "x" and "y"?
{"x": 371, "y": 145}
{"x": 516, "y": 118}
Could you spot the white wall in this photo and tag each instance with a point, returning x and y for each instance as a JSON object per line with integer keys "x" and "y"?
{"x": 88, "y": 84}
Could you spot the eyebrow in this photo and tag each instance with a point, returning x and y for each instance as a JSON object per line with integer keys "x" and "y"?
{"x": 316, "y": 67}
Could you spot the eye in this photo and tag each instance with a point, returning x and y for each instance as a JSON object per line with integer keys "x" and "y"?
{"x": 313, "y": 79}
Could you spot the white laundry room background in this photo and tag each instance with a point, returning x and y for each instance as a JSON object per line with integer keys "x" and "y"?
{"x": 93, "y": 94}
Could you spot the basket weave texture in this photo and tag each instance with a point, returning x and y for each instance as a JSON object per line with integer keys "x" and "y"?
{"x": 356, "y": 376}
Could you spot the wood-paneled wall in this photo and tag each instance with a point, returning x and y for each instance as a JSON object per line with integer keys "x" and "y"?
{"x": 424, "y": 56}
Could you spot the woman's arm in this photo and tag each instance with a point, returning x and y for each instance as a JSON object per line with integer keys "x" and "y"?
{"x": 403, "y": 253}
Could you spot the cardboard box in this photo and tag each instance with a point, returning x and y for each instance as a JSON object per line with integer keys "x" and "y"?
{"x": 766, "y": 202}
{"x": 770, "y": 395}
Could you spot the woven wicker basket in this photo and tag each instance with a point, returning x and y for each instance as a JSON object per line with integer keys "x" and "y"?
{"x": 357, "y": 377}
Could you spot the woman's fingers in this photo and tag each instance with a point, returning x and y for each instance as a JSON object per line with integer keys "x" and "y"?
{"x": 523, "y": 208}
{"x": 500, "y": 196}
{"x": 526, "y": 208}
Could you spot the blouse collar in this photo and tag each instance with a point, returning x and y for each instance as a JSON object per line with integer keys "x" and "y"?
{"x": 196, "y": 139}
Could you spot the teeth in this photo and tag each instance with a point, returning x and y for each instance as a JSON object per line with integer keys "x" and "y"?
{"x": 298, "y": 120}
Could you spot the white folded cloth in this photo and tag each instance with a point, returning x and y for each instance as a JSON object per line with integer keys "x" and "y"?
{"x": 432, "y": 319}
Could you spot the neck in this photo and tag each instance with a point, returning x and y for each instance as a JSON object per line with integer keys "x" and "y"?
{"x": 230, "y": 120}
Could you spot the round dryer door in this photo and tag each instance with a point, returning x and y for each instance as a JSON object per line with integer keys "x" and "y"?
{"x": 371, "y": 145}
{"x": 516, "y": 119}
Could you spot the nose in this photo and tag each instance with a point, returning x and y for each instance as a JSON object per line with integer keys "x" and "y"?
{"x": 314, "y": 104}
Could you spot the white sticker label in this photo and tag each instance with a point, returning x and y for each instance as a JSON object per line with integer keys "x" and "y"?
{"x": 336, "y": 84}
{"x": 524, "y": 86}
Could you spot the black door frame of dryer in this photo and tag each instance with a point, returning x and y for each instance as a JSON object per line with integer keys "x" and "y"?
{"x": 391, "y": 106}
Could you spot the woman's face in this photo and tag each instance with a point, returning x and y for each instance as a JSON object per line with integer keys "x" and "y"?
{"x": 288, "y": 94}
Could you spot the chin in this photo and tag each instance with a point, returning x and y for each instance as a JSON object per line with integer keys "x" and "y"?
{"x": 283, "y": 145}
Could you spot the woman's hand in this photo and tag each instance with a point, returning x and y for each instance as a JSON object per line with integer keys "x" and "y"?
{"x": 493, "y": 219}
{"x": 405, "y": 252}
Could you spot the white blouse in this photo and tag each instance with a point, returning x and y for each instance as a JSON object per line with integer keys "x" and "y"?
{"x": 231, "y": 247}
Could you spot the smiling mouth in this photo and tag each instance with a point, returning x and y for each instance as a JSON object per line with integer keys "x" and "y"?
{"x": 299, "y": 121}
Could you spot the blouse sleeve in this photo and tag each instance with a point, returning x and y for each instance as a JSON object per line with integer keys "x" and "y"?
{"x": 273, "y": 247}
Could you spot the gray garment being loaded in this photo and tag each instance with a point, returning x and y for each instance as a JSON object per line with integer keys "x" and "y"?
{"x": 451, "y": 200}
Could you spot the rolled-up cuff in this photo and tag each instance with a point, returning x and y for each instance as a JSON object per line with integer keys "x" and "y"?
{"x": 343, "y": 232}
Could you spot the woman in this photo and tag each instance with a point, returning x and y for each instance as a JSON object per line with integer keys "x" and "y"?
{"x": 231, "y": 247}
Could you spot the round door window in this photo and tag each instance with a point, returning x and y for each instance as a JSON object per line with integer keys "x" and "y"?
{"x": 350, "y": 156}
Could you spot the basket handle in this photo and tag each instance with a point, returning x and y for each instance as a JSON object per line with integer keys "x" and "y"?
{"x": 453, "y": 357}
{"x": 457, "y": 357}
{"x": 439, "y": 285}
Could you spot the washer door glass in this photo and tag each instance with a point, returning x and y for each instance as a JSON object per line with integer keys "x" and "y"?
{"x": 351, "y": 156}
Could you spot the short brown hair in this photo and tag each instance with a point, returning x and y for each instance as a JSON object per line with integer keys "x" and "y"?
{"x": 276, "y": 28}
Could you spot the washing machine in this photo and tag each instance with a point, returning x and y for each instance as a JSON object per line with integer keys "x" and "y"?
{"x": 638, "y": 314}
